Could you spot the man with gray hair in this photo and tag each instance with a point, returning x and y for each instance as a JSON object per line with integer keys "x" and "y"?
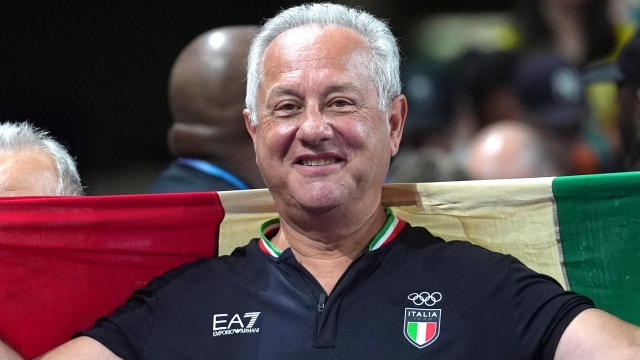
{"x": 34, "y": 163}
{"x": 337, "y": 275}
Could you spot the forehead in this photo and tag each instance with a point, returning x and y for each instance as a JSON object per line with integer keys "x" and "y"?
{"x": 314, "y": 46}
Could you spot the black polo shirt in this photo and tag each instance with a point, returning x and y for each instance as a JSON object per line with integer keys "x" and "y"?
{"x": 410, "y": 296}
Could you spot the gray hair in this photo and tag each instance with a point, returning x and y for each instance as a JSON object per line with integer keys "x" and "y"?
{"x": 16, "y": 137}
{"x": 383, "y": 65}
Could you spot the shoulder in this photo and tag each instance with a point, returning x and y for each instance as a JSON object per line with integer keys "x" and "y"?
{"x": 222, "y": 270}
{"x": 417, "y": 242}
{"x": 179, "y": 178}
{"x": 417, "y": 248}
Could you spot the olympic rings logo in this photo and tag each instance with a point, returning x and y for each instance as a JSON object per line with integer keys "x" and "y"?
{"x": 425, "y": 298}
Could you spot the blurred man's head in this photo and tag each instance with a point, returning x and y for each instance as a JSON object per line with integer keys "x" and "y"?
{"x": 207, "y": 85}
{"x": 206, "y": 95}
{"x": 32, "y": 163}
{"x": 509, "y": 150}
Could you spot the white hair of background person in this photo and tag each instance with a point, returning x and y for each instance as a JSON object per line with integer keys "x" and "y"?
{"x": 382, "y": 66}
{"x": 16, "y": 137}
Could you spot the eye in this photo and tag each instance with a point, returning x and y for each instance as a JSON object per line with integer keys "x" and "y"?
{"x": 286, "y": 108}
{"x": 340, "y": 103}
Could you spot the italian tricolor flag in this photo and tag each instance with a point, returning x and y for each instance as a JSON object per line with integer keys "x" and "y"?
{"x": 421, "y": 332}
{"x": 64, "y": 261}
{"x": 584, "y": 231}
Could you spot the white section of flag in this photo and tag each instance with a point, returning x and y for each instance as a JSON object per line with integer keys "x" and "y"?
{"x": 421, "y": 335}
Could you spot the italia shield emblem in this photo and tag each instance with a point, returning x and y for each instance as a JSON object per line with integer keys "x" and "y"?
{"x": 421, "y": 326}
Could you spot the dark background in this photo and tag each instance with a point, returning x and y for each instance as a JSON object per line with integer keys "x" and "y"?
{"x": 94, "y": 73}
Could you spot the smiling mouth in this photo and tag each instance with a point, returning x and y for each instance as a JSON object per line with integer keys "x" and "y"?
{"x": 319, "y": 162}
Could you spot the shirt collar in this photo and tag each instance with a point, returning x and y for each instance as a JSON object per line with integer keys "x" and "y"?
{"x": 213, "y": 170}
{"x": 391, "y": 228}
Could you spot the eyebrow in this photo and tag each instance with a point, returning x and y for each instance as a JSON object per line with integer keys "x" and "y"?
{"x": 279, "y": 91}
{"x": 330, "y": 89}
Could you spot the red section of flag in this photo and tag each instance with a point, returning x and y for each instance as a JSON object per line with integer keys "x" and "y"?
{"x": 65, "y": 261}
{"x": 431, "y": 331}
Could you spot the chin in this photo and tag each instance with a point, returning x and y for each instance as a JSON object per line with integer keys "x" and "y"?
{"x": 320, "y": 199}
{"x": 318, "y": 205}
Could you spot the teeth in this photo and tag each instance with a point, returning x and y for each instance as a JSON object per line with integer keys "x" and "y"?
{"x": 318, "y": 162}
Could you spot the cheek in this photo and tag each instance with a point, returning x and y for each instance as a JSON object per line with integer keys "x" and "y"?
{"x": 275, "y": 139}
{"x": 359, "y": 129}
{"x": 371, "y": 134}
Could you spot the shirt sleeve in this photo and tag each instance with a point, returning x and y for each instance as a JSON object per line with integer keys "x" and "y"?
{"x": 542, "y": 310}
{"x": 126, "y": 330}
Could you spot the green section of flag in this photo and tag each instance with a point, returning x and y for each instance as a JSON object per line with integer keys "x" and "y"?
{"x": 412, "y": 330}
{"x": 599, "y": 220}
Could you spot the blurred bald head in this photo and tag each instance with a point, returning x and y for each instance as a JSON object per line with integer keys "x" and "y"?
{"x": 207, "y": 86}
{"x": 509, "y": 150}
{"x": 206, "y": 94}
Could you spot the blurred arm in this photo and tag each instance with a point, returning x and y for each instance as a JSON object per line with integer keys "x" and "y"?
{"x": 82, "y": 347}
{"x": 7, "y": 353}
{"x": 595, "y": 334}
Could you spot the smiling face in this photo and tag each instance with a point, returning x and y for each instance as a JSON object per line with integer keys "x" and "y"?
{"x": 322, "y": 142}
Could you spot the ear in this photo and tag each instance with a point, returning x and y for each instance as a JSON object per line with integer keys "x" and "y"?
{"x": 250, "y": 128}
{"x": 397, "y": 113}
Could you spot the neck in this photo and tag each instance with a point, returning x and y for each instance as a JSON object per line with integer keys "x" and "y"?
{"x": 327, "y": 250}
{"x": 238, "y": 164}
{"x": 232, "y": 153}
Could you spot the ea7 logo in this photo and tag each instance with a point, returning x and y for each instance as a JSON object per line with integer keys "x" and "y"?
{"x": 235, "y": 325}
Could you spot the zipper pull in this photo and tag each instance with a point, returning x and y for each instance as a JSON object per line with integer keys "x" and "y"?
{"x": 321, "y": 301}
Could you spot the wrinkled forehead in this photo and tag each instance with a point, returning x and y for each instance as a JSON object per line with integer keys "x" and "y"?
{"x": 311, "y": 45}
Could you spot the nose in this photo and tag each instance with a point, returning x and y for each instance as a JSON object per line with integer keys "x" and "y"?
{"x": 315, "y": 128}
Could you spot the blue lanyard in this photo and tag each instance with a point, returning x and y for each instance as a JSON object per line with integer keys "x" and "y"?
{"x": 213, "y": 170}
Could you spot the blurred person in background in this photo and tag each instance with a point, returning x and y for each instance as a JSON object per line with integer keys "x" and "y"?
{"x": 628, "y": 81}
{"x": 552, "y": 93}
{"x": 580, "y": 31}
{"x": 208, "y": 137}
{"x": 477, "y": 90}
{"x": 541, "y": 89}
{"x": 509, "y": 150}
{"x": 428, "y": 120}
{"x": 32, "y": 163}
{"x": 424, "y": 164}
{"x": 583, "y": 33}
{"x": 625, "y": 72}
{"x": 481, "y": 93}
{"x": 424, "y": 154}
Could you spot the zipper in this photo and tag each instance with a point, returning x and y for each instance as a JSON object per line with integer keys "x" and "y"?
{"x": 321, "y": 302}
{"x": 326, "y": 328}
